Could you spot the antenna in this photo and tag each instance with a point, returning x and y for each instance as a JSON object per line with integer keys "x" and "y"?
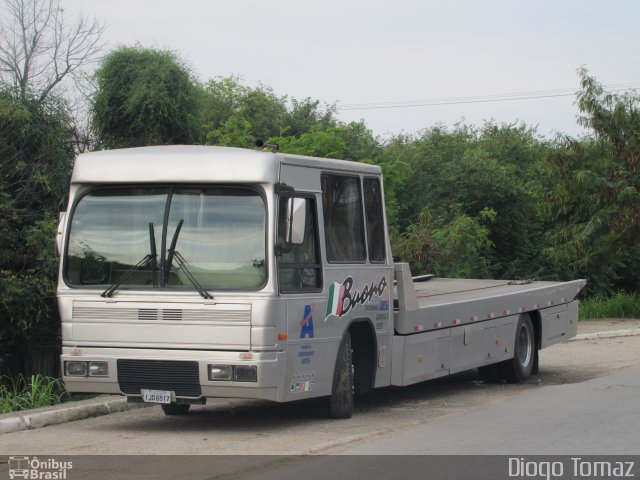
{"x": 266, "y": 146}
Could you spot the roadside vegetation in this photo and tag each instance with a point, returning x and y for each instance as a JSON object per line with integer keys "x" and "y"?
{"x": 620, "y": 305}
{"x": 493, "y": 200}
{"x": 22, "y": 394}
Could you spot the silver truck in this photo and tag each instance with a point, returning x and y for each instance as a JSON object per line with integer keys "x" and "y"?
{"x": 191, "y": 272}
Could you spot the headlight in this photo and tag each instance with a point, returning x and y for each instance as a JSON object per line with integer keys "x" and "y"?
{"x": 220, "y": 372}
{"x": 98, "y": 369}
{"x": 75, "y": 369}
{"x": 237, "y": 373}
{"x": 245, "y": 373}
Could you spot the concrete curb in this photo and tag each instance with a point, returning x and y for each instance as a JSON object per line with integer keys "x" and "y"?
{"x": 30, "y": 419}
{"x": 610, "y": 334}
{"x": 37, "y": 419}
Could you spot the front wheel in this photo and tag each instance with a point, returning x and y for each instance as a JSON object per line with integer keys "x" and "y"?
{"x": 341, "y": 400}
{"x": 519, "y": 368}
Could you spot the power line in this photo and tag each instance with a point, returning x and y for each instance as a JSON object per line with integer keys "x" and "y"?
{"x": 505, "y": 97}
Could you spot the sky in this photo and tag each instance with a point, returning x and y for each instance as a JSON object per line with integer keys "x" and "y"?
{"x": 355, "y": 52}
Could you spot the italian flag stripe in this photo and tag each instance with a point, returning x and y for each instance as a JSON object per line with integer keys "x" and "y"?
{"x": 336, "y": 294}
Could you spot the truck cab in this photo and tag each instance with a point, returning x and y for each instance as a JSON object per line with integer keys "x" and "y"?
{"x": 190, "y": 272}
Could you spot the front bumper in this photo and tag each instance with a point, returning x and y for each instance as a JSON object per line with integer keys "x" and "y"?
{"x": 270, "y": 384}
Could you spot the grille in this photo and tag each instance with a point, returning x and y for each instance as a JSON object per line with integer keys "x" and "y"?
{"x": 147, "y": 314}
{"x": 180, "y": 377}
{"x": 221, "y": 314}
{"x": 173, "y": 314}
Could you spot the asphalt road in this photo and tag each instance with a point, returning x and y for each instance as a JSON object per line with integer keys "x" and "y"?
{"x": 597, "y": 417}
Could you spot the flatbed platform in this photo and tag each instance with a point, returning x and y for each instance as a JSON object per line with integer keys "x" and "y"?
{"x": 443, "y": 303}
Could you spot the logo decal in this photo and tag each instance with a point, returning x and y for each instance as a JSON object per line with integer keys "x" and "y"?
{"x": 307, "y": 322}
{"x": 342, "y": 299}
{"x": 303, "y": 382}
{"x": 27, "y": 467}
{"x": 306, "y": 354}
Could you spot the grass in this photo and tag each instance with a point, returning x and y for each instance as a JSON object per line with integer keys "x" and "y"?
{"x": 21, "y": 394}
{"x": 621, "y": 305}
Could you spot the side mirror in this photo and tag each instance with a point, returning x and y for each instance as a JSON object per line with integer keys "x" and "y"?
{"x": 61, "y": 217}
{"x": 296, "y": 220}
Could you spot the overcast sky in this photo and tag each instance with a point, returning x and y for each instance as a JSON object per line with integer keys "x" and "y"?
{"x": 357, "y": 52}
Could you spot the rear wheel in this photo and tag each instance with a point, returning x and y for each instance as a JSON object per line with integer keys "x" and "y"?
{"x": 175, "y": 408}
{"x": 519, "y": 368}
{"x": 341, "y": 400}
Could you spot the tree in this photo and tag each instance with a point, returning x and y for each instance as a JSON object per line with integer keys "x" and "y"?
{"x": 265, "y": 112}
{"x": 35, "y": 163}
{"x": 422, "y": 157}
{"x": 350, "y": 141}
{"x": 317, "y": 143}
{"x": 40, "y": 49}
{"x": 145, "y": 97}
{"x": 474, "y": 169}
{"x": 595, "y": 198}
{"x": 307, "y": 115}
{"x": 360, "y": 144}
{"x": 459, "y": 248}
{"x": 237, "y": 115}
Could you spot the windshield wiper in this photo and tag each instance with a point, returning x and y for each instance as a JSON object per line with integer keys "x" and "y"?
{"x": 154, "y": 255}
{"x": 149, "y": 258}
{"x": 173, "y": 254}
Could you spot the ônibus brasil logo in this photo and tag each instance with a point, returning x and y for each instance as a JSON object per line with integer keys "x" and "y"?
{"x": 35, "y": 469}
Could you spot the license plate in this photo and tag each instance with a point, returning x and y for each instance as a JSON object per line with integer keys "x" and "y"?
{"x": 157, "y": 396}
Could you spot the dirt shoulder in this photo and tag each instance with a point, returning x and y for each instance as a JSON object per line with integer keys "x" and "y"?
{"x": 602, "y": 346}
{"x": 607, "y": 324}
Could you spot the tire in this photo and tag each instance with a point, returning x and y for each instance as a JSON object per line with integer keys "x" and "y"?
{"x": 341, "y": 400}
{"x": 175, "y": 408}
{"x": 362, "y": 369}
{"x": 519, "y": 368}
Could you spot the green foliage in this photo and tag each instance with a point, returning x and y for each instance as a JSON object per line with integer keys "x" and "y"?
{"x": 20, "y": 394}
{"x": 463, "y": 247}
{"x": 393, "y": 177}
{"x": 145, "y": 97}
{"x": 234, "y": 132}
{"x": 360, "y": 144}
{"x": 306, "y": 115}
{"x": 458, "y": 249}
{"x": 494, "y": 168}
{"x": 594, "y": 194}
{"x": 620, "y": 305}
{"x": 319, "y": 143}
{"x": 264, "y": 111}
{"x": 36, "y": 156}
{"x": 237, "y": 115}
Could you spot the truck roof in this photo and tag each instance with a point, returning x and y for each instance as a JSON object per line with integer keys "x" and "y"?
{"x": 196, "y": 164}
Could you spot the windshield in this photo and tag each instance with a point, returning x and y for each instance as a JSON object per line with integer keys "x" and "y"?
{"x": 116, "y": 233}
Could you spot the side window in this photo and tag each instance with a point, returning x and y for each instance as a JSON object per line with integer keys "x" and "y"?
{"x": 375, "y": 220}
{"x": 343, "y": 222}
{"x": 300, "y": 269}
